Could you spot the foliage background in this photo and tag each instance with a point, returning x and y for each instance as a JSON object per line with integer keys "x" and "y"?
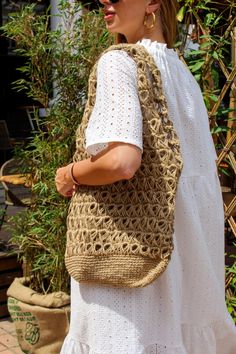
{"x": 64, "y": 57}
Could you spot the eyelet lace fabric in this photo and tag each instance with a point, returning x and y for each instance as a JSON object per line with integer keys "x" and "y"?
{"x": 197, "y": 342}
{"x": 73, "y": 346}
{"x": 183, "y": 311}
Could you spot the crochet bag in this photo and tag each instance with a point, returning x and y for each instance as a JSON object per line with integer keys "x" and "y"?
{"x": 121, "y": 234}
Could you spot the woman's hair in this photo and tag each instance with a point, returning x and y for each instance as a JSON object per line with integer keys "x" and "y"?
{"x": 168, "y": 13}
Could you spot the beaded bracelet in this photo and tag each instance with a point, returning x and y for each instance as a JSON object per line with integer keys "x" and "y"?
{"x": 72, "y": 175}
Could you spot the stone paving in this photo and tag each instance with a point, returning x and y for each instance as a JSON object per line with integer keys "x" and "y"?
{"x": 8, "y": 338}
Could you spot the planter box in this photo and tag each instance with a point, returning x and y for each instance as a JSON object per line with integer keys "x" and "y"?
{"x": 10, "y": 268}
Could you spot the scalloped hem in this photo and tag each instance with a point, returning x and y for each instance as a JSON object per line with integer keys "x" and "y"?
{"x": 217, "y": 338}
{"x": 74, "y": 346}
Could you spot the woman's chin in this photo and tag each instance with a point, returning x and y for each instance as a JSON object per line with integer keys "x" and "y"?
{"x": 111, "y": 27}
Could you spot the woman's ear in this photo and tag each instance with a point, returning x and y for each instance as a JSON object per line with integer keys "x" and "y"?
{"x": 153, "y": 6}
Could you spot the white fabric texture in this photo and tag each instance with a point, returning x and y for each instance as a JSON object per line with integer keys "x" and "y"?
{"x": 183, "y": 311}
{"x": 117, "y": 114}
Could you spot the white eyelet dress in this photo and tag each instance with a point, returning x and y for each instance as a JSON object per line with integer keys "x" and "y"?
{"x": 183, "y": 311}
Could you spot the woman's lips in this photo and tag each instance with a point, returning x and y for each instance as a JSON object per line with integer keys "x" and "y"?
{"x": 109, "y": 16}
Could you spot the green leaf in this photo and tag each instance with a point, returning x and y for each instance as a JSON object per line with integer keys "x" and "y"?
{"x": 205, "y": 36}
{"x": 197, "y": 66}
{"x": 178, "y": 44}
{"x": 205, "y": 45}
{"x": 219, "y": 129}
{"x": 224, "y": 171}
{"x": 213, "y": 97}
{"x": 181, "y": 13}
{"x": 196, "y": 52}
{"x": 197, "y": 77}
{"x": 230, "y": 119}
{"x": 215, "y": 55}
{"x": 228, "y": 110}
{"x": 209, "y": 18}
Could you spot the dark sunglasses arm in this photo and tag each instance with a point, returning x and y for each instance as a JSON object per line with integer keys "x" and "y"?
{"x": 111, "y": 1}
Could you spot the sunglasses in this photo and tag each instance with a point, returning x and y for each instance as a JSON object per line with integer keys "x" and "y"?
{"x": 98, "y": 4}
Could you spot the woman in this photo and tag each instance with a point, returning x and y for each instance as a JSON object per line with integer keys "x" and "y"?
{"x": 183, "y": 311}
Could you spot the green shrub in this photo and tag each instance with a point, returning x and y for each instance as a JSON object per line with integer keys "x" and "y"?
{"x": 64, "y": 57}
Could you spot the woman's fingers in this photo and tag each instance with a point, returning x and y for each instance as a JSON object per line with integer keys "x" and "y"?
{"x": 63, "y": 186}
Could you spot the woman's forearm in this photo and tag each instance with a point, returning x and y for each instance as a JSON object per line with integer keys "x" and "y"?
{"x": 95, "y": 173}
{"x": 119, "y": 161}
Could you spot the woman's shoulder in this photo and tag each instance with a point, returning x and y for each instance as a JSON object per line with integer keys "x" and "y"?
{"x": 117, "y": 60}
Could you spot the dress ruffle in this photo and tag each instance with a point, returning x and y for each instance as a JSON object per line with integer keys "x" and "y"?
{"x": 209, "y": 339}
{"x": 73, "y": 346}
{"x": 216, "y": 338}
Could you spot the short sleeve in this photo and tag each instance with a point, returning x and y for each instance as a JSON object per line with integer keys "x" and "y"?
{"x": 116, "y": 116}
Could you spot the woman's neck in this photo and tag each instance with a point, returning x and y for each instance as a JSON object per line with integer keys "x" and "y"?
{"x": 155, "y": 34}
{"x": 153, "y": 38}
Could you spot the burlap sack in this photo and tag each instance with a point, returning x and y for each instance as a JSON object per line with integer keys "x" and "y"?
{"x": 41, "y": 321}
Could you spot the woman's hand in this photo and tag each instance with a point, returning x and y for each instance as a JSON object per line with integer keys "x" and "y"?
{"x": 64, "y": 183}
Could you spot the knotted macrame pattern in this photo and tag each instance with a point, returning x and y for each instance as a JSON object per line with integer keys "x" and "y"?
{"x": 121, "y": 234}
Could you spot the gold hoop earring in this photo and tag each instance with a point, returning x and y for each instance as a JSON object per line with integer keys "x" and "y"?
{"x": 149, "y": 26}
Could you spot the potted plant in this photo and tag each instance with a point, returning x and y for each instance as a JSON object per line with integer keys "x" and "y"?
{"x": 55, "y": 61}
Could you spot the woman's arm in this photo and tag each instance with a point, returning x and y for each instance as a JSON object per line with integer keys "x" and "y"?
{"x": 116, "y": 117}
{"x": 117, "y": 162}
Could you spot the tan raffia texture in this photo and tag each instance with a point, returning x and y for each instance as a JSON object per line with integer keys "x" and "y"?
{"x": 122, "y": 234}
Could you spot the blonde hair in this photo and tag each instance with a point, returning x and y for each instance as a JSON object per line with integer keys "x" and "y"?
{"x": 168, "y": 13}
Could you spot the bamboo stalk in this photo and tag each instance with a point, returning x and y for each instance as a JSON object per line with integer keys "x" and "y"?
{"x": 232, "y": 225}
{"x": 229, "y": 80}
{"x": 226, "y": 149}
{"x": 232, "y": 103}
{"x": 230, "y": 207}
{"x": 232, "y": 161}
